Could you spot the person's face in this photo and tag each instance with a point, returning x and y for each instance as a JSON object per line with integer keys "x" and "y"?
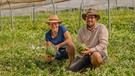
{"x": 90, "y": 20}
{"x": 54, "y": 25}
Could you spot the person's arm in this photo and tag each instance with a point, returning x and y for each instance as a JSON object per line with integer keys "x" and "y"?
{"x": 47, "y": 40}
{"x": 48, "y": 43}
{"x": 79, "y": 36}
{"x": 103, "y": 40}
{"x": 80, "y": 40}
{"x": 68, "y": 40}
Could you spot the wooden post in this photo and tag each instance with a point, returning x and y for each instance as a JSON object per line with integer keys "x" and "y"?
{"x": 109, "y": 22}
{"x": 54, "y": 8}
{"x": 11, "y": 14}
{"x": 0, "y": 17}
{"x": 134, "y": 16}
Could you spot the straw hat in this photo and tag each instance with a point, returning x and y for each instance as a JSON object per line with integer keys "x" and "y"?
{"x": 53, "y": 18}
{"x": 91, "y": 11}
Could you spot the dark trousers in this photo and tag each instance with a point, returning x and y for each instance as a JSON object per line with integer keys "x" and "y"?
{"x": 79, "y": 62}
{"x": 83, "y": 62}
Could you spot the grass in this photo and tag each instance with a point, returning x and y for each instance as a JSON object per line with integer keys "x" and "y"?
{"x": 18, "y": 58}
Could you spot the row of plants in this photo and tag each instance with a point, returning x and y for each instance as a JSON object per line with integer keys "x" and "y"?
{"x": 22, "y": 51}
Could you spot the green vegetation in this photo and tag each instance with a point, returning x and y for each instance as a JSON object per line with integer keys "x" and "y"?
{"x": 50, "y": 51}
{"x": 18, "y": 59}
{"x": 80, "y": 47}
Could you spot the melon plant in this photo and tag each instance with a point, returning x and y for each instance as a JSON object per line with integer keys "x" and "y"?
{"x": 50, "y": 51}
{"x": 80, "y": 47}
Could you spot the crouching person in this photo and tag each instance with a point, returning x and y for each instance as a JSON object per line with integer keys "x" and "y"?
{"x": 95, "y": 36}
{"x": 59, "y": 36}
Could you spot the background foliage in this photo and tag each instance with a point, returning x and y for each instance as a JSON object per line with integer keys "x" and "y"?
{"x": 22, "y": 51}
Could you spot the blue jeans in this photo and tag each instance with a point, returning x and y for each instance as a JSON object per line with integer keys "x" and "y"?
{"x": 62, "y": 53}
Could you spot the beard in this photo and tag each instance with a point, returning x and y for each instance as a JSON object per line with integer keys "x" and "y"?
{"x": 90, "y": 25}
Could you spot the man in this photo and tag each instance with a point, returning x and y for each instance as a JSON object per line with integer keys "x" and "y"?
{"x": 95, "y": 36}
{"x": 59, "y": 36}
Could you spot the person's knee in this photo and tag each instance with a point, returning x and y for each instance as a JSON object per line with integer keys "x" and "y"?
{"x": 71, "y": 47}
{"x": 96, "y": 59}
{"x": 71, "y": 44}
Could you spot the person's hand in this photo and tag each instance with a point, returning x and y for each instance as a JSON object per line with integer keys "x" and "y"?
{"x": 48, "y": 58}
{"x": 57, "y": 47}
{"x": 85, "y": 52}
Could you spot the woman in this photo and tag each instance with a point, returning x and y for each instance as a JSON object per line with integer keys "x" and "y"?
{"x": 59, "y": 36}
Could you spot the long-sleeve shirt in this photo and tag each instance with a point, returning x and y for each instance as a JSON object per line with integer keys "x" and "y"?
{"x": 97, "y": 39}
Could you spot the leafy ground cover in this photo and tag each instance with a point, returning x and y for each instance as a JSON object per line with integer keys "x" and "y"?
{"x": 22, "y": 51}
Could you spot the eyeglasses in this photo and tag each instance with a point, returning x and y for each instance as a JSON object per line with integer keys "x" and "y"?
{"x": 53, "y": 23}
{"x": 90, "y": 17}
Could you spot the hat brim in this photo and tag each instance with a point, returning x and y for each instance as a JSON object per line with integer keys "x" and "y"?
{"x": 84, "y": 16}
{"x": 53, "y": 22}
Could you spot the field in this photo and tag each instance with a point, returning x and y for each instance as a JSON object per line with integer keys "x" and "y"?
{"x": 22, "y": 50}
